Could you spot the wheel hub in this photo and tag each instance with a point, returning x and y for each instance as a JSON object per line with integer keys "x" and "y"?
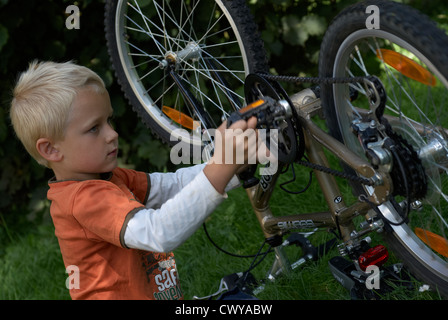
{"x": 436, "y": 149}
{"x": 192, "y": 51}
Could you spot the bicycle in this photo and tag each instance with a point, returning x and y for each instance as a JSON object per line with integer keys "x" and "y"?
{"x": 381, "y": 92}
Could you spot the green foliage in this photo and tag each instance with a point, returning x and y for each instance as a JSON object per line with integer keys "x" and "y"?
{"x": 33, "y": 29}
{"x": 292, "y": 31}
{"x": 30, "y": 30}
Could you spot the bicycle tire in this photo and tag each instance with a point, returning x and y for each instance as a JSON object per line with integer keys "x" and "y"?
{"x": 125, "y": 35}
{"x": 412, "y": 34}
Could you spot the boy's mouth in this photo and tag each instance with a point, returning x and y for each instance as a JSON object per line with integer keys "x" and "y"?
{"x": 113, "y": 152}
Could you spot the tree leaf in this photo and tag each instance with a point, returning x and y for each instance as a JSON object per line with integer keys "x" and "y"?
{"x": 314, "y": 25}
{"x": 293, "y": 31}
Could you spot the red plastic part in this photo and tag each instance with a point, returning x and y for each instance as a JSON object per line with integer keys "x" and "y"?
{"x": 377, "y": 255}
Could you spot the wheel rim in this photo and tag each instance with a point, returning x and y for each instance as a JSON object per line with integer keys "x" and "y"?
{"x": 150, "y": 33}
{"x": 357, "y": 57}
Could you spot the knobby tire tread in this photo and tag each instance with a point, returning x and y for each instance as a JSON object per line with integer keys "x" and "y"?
{"x": 419, "y": 31}
{"x": 247, "y": 29}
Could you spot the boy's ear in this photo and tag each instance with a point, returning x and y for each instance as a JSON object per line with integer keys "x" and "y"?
{"x": 48, "y": 150}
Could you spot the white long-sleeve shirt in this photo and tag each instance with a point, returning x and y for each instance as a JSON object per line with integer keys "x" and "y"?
{"x": 177, "y": 205}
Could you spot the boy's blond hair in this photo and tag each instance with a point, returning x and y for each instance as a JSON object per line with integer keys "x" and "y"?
{"x": 42, "y": 100}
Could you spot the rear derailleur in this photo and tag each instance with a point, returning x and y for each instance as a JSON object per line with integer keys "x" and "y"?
{"x": 364, "y": 274}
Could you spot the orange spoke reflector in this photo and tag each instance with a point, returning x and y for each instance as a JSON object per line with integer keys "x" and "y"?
{"x": 434, "y": 241}
{"x": 406, "y": 66}
{"x": 180, "y": 118}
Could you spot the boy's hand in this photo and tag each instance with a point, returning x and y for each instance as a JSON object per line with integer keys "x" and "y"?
{"x": 236, "y": 145}
{"x": 234, "y": 148}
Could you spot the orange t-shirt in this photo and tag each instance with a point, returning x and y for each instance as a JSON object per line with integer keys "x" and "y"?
{"x": 90, "y": 219}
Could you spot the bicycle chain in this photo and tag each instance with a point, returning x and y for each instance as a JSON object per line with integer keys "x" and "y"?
{"x": 320, "y": 80}
{"x": 314, "y": 80}
{"x": 407, "y": 153}
{"x": 336, "y": 173}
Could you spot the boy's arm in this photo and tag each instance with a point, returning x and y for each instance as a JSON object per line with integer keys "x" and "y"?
{"x": 164, "y": 186}
{"x": 219, "y": 170}
{"x": 165, "y": 228}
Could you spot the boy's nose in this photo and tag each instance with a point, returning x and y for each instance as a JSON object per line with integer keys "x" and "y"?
{"x": 112, "y": 135}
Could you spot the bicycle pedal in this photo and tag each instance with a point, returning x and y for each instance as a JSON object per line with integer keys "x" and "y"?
{"x": 237, "y": 280}
{"x": 236, "y": 294}
{"x": 268, "y": 112}
{"x": 233, "y": 286}
{"x": 239, "y": 287}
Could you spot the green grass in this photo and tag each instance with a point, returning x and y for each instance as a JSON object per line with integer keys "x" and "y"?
{"x": 31, "y": 264}
{"x": 32, "y": 268}
{"x": 234, "y": 227}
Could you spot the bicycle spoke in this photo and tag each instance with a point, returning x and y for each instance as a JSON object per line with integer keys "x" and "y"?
{"x": 157, "y": 83}
{"x": 147, "y": 74}
{"x": 207, "y": 76}
{"x": 240, "y": 79}
{"x": 164, "y": 93}
{"x": 159, "y": 46}
{"x": 143, "y": 53}
{"x": 209, "y": 29}
{"x": 160, "y": 37}
{"x": 199, "y": 91}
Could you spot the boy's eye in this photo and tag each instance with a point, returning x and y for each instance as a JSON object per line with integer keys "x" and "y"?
{"x": 93, "y": 129}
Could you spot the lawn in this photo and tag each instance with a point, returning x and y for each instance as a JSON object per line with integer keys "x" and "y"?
{"x": 233, "y": 226}
{"x": 31, "y": 265}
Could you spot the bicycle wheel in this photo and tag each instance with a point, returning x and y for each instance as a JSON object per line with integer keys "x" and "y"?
{"x": 409, "y": 54}
{"x": 210, "y": 46}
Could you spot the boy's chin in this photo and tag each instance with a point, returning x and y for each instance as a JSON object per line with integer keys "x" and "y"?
{"x": 111, "y": 167}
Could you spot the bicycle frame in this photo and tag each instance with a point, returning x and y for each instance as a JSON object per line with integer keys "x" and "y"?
{"x": 339, "y": 215}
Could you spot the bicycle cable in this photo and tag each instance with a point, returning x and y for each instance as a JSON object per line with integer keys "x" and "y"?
{"x": 253, "y": 265}
{"x": 229, "y": 253}
{"x": 282, "y": 185}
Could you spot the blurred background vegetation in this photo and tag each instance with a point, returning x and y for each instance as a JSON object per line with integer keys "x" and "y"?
{"x": 35, "y": 29}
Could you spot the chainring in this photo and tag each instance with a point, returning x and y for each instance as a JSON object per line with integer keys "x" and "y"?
{"x": 288, "y": 147}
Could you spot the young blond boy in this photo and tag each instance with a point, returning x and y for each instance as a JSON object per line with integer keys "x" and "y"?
{"x": 117, "y": 226}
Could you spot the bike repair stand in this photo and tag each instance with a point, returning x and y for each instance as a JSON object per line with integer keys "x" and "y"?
{"x": 244, "y": 286}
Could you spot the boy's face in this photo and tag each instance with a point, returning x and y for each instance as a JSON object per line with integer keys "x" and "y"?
{"x": 90, "y": 145}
